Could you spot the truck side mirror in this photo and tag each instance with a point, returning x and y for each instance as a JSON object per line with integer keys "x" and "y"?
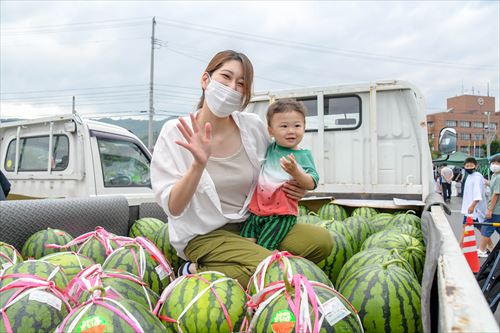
{"x": 447, "y": 141}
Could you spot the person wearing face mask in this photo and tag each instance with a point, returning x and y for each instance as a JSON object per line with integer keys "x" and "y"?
{"x": 474, "y": 200}
{"x": 493, "y": 210}
{"x": 204, "y": 170}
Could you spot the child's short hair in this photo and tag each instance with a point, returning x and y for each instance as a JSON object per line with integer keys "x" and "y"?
{"x": 470, "y": 160}
{"x": 495, "y": 159}
{"x": 285, "y": 105}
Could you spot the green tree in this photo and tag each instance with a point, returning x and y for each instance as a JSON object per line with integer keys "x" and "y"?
{"x": 434, "y": 154}
{"x": 494, "y": 147}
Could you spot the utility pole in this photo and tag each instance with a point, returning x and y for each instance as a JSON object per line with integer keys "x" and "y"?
{"x": 151, "y": 89}
{"x": 73, "y": 110}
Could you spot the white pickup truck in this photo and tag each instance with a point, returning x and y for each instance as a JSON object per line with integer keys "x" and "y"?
{"x": 67, "y": 156}
{"x": 370, "y": 146}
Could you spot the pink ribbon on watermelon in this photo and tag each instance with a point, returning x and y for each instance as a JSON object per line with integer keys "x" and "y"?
{"x": 300, "y": 307}
{"x": 84, "y": 280}
{"x": 12, "y": 260}
{"x": 23, "y": 284}
{"x": 99, "y": 233}
{"x": 260, "y": 273}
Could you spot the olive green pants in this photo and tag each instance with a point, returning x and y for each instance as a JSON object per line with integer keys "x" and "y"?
{"x": 225, "y": 251}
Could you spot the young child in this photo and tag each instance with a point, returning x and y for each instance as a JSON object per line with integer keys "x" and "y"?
{"x": 493, "y": 210}
{"x": 474, "y": 200}
{"x": 273, "y": 214}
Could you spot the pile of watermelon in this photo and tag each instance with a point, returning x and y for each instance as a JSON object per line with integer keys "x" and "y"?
{"x": 99, "y": 282}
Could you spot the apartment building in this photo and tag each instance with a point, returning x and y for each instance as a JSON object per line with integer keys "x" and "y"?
{"x": 468, "y": 115}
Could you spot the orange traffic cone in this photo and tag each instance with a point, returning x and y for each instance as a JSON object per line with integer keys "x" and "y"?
{"x": 469, "y": 247}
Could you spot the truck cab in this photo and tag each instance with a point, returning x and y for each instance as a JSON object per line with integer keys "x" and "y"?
{"x": 67, "y": 156}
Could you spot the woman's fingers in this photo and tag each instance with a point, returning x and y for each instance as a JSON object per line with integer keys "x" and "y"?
{"x": 293, "y": 191}
{"x": 184, "y": 132}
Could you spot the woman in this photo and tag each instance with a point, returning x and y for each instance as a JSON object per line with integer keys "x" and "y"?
{"x": 204, "y": 170}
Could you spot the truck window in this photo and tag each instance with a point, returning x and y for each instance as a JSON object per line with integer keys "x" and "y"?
{"x": 340, "y": 113}
{"x": 34, "y": 153}
{"x": 123, "y": 163}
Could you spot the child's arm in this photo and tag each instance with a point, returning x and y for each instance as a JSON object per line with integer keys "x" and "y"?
{"x": 290, "y": 166}
{"x": 491, "y": 206}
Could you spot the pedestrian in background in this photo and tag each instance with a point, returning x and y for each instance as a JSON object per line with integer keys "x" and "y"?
{"x": 447, "y": 176}
{"x": 474, "y": 200}
{"x": 493, "y": 211}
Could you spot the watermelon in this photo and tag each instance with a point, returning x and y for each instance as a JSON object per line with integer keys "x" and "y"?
{"x": 409, "y": 230}
{"x": 341, "y": 229}
{"x": 341, "y": 253}
{"x": 408, "y": 247}
{"x": 371, "y": 256}
{"x": 386, "y": 296}
{"x": 302, "y": 210}
{"x": 408, "y": 217}
{"x": 361, "y": 229}
{"x": 35, "y": 245}
{"x": 105, "y": 314}
{"x": 70, "y": 262}
{"x": 142, "y": 258}
{"x": 8, "y": 255}
{"x": 380, "y": 221}
{"x": 29, "y": 305}
{"x": 146, "y": 227}
{"x": 331, "y": 211}
{"x": 204, "y": 302}
{"x": 364, "y": 212}
{"x": 162, "y": 241}
{"x": 97, "y": 245}
{"x": 41, "y": 269}
{"x": 310, "y": 218}
{"x": 302, "y": 306}
{"x": 273, "y": 267}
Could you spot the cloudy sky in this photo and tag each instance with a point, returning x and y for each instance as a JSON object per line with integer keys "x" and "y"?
{"x": 100, "y": 51}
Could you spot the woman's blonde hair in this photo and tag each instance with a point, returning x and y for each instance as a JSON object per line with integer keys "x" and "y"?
{"x": 222, "y": 57}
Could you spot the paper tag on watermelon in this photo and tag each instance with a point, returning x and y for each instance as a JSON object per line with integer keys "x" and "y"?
{"x": 283, "y": 321}
{"x": 162, "y": 274}
{"x": 47, "y": 298}
{"x": 334, "y": 311}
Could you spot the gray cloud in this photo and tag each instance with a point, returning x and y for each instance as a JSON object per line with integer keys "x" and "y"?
{"x": 435, "y": 45}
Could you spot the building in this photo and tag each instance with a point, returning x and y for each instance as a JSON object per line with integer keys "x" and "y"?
{"x": 468, "y": 115}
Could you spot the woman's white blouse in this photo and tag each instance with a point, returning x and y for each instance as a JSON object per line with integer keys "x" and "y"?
{"x": 171, "y": 162}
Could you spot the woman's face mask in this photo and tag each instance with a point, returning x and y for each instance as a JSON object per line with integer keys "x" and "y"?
{"x": 495, "y": 168}
{"x": 222, "y": 100}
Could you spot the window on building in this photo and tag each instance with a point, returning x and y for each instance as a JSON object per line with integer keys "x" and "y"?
{"x": 493, "y": 125}
{"x": 464, "y": 136}
{"x": 430, "y": 124}
{"x": 478, "y": 124}
{"x": 451, "y": 123}
{"x": 464, "y": 149}
{"x": 34, "y": 153}
{"x": 478, "y": 136}
{"x": 465, "y": 124}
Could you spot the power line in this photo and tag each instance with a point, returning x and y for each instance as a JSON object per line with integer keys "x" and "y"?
{"x": 316, "y": 48}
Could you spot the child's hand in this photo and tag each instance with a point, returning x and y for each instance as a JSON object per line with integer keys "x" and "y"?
{"x": 289, "y": 165}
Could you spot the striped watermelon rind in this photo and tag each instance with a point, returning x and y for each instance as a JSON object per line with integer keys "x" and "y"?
{"x": 35, "y": 248}
{"x": 105, "y": 314}
{"x": 310, "y": 218}
{"x": 277, "y": 303}
{"x": 371, "y": 256}
{"x": 132, "y": 258}
{"x": 8, "y": 255}
{"x": 367, "y": 212}
{"x": 341, "y": 253}
{"x": 302, "y": 210}
{"x": 331, "y": 211}
{"x": 272, "y": 269}
{"x": 381, "y": 221}
{"x": 94, "y": 249}
{"x": 408, "y": 217}
{"x": 387, "y": 298}
{"x": 162, "y": 241}
{"x": 202, "y": 298}
{"x": 41, "y": 269}
{"x": 361, "y": 229}
{"x": 70, "y": 262}
{"x": 146, "y": 227}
